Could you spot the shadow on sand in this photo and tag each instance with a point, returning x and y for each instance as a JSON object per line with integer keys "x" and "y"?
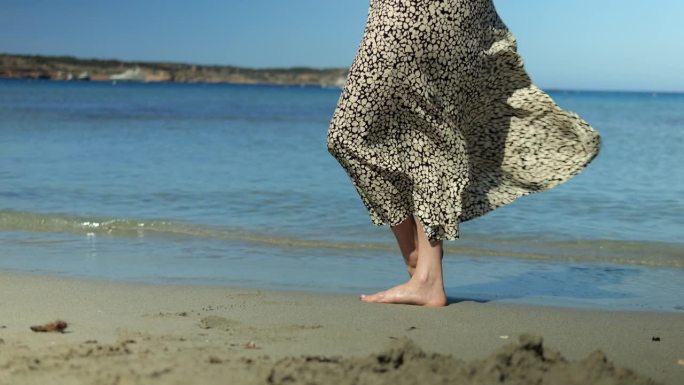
{"x": 576, "y": 282}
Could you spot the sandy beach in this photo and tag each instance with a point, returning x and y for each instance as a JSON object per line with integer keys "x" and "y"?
{"x": 121, "y": 333}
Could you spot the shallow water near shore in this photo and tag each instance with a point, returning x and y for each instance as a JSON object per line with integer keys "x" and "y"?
{"x": 232, "y": 185}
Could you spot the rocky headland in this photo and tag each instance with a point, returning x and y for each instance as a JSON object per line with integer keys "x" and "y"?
{"x": 72, "y": 68}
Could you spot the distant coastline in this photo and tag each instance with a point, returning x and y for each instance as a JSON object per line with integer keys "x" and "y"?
{"x": 112, "y": 70}
{"x": 70, "y": 68}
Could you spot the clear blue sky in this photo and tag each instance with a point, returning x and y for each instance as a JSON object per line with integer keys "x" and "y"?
{"x": 574, "y": 44}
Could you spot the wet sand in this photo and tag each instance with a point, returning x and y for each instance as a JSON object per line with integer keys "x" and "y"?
{"x": 120, "y": 333}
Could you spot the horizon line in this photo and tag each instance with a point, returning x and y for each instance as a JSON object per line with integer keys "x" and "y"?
{"x": 545, "y": 89}
{"x": 313, "y": 68}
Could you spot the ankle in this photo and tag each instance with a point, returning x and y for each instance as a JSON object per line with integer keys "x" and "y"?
{"x": 426, "y": 277}
{"x": 411, "y": 260}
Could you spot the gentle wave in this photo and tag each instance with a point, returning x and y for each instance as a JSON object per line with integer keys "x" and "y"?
{"x": 646, "y": 253}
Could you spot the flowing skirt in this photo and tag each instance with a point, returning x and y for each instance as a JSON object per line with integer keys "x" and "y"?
{"x": 438, "y": 118}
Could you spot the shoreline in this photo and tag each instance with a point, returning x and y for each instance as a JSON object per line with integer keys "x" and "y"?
{"x": 167, "y": 333}
{"x": 535, "y": 303}
{"x": 557, "y": 284}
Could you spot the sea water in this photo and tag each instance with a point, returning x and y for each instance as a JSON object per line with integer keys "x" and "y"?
{"x": 232, "y": 185}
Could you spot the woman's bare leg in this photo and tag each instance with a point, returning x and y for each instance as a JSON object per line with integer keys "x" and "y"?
{"x": 426, "y": 285}
{"x": 407, "y": 238}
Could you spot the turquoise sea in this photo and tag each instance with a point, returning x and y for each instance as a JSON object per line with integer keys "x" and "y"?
{"x": 232, "y": 185}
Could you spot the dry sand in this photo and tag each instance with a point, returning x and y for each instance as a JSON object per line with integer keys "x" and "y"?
{"x": 146, "y": 334}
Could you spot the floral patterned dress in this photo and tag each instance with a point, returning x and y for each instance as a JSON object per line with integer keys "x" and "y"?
{"x": 438, "y": 118}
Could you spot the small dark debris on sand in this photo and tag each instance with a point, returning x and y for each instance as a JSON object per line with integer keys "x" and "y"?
{"x": 55, "y": 326}
{"x": 524, "y": 362}
{"x": 214, "y": 360}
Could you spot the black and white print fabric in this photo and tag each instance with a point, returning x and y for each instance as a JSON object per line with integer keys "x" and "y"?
{"x": 439, "y": 118}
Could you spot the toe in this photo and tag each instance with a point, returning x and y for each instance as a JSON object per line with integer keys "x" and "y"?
{"x": 372, "y": 297}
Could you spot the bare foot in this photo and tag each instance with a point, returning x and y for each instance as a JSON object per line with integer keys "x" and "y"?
{"x": 422, "y": 292}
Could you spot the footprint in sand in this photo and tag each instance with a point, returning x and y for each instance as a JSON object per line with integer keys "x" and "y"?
{"x": 219, "y": 323}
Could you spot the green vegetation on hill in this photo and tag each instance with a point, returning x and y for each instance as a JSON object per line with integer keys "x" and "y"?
{"x": 72, "y": 68}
